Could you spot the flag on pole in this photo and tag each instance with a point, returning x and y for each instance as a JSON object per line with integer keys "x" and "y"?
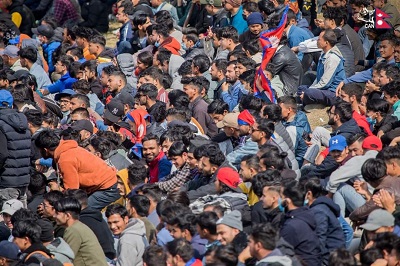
{"x": 269, "y": 40}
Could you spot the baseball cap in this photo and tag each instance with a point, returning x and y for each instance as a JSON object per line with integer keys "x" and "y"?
{"x": 44, "y": 30}
{"x": 229, "y": 120}
{"x": 11, "y": 206}
{"x": 337, "y": 143}
{"x": 6, "y": 98}
{"x": 372, "y": 143}
{"x": 114, "y": 111}
{"x": 126, "y": 98}
{"x": 11, "y": 51}
{"x": 211, "y": 2}
{"x": 378, "y": 218}
{"x": 229, "y": 177}
{"x": 83, "y": 125}
{"x": 66, "y": 92}
{"x": 9, "y": 250}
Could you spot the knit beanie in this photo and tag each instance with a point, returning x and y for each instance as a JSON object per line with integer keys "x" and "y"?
{"x": 47, "y": 230}
{"x": 232, "y": 219}
{"x": 255, "y": 18}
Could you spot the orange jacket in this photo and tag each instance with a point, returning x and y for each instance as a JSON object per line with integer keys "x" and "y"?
{"x": 82, "y": 169}
{"x": 172, "y": 45}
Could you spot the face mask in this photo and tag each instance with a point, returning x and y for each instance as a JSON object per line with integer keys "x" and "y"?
{"x": 281, "y": 205}
{"x": 305, "y": 202}
{"x": 157, "y": 44}
{"x": 183, "y": 45}
{"x": 371, "y": 122}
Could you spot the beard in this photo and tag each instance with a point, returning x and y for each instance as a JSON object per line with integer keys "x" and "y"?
{"x": 331, "y": 122}
{"x": 231, "y": 80}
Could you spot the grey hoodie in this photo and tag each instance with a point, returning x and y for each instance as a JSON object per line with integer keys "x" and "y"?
{"x": 131, "y": 244}
{"x": 275, "y": 258}
{"x": 174, "y": 63}
{"x": 61, "y": 250}
{"x": 125, "y": 62}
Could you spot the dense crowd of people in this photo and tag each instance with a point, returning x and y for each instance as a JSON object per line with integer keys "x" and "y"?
{"x": 176, "y": 147}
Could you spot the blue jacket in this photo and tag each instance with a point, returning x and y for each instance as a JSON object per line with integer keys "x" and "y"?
{"x": 299, "y": 230}
{"x": 48, "y": 49}
{"x": 300, "y": 122}
{"x": 330, "y": 70}
{"x": 297, "y": 35}
{"x": 125, "y": 33}
{"x": 65, "y": 82}
{"x": 329, "y": 230}
{"x": 249, "y": 148}
{"x": 238, "y": 22}
{"x": 232, "y": 96}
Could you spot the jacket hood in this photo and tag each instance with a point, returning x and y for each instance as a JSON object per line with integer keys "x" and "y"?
{"x": 301, "y": 119}
{"x": 327, "y": 202}
{"x": 171, "y": 44}
{"x": 64, "y": 145}
{"x": 30, "y": 43}
{"x": 336, "y": 51}
{"x": 125, "y": 62}
{"x": 304, "y": 214}
{"x": 123, "y": 175}
{"x": 134, "y": 227}
{"x": 174, "y": 63}
{"x": 59, "y": 246}
{"x": 16, "y": 120}
{"x": 275, "y": 256}
{"x": 350, "y": 126}
{"x": 107, "y": 52}
{"x": 92, "y": 213}
{"x": 58, "y": 35}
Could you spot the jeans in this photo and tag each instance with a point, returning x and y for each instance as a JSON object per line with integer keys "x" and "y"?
{"x": 320, "y": 137}
{"x": 347, "y": 198}
{"x": 316, "y": 96}
{"x": 347, "y": 230}
{"x": 102, "y": 198}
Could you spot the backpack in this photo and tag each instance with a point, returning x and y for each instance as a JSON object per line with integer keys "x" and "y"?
{"x": 42, "y": 256}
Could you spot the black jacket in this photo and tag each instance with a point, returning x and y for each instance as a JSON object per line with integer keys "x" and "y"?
{"x": 28, "y": 19}
{"x": 15, "y": 152}
{"x": 31, "y": 257}
{"x": 144, "y": 6}
{"x": 94, "y": 220}
{"x": 261, "y": 215}
{"x": 285, "y": 64}
{"x": 95, "y": 15}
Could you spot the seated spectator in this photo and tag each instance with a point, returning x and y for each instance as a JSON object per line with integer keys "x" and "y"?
{"x": 9, "y": 252}
{"x": 164, "y": 40}
{"x": 207, "y": 228}
{"x": 66, "y": 81}
{"x": 97, "y": 48}
{"x": 49, "y": 44}
{"x": 181, "y": 253}
{"x": 230, "y": 231}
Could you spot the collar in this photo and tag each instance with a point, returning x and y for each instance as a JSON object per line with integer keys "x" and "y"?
{"x": 157, "y": 159}
{"x": 190, "y": 262}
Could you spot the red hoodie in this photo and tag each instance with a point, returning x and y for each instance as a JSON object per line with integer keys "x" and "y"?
{"x": 172, "y": 45}
{"x": 362, "y": 122}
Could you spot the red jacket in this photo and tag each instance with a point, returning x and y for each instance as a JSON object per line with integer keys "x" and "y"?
{"x": 362, "y": 122}
{"x": 172, "y": 45}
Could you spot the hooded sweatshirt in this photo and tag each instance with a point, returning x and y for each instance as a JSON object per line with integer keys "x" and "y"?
{"x": 172, "y": 45}
{"x": 299, "y": 230}
{"x": 61, "y": 250}
{"x": 132, "y": 243}
{"x": 275, "y": 258}
{"x": 125, "y": 62}
{"x": 81, "y": 169}
{"x": 174, "y": 63}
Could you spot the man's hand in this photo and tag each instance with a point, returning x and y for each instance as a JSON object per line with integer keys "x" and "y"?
{"x": 244, "y": 255}
{"x": 385, "y": 200}
{"x": 380, "y": 134}
{"x": 44, "y": 92}
{"x": 225, "y": 86}
{"x": 380, "y": 262}
{"x": 361, "y": 188}
{"x": 295, "y": 49}
{"x": 339, "y": 88}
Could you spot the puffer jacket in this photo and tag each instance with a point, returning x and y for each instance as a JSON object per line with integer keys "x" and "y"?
{"x": 15, "y": 157}
{"x": 48, "y": 50}
{"x": 28, "y": 19}
{"x": 285, "y": 64}
{"x": 61, "y": 250}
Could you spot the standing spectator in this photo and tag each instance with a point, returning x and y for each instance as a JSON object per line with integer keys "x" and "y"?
{"x": 126, "y": 31}
{"x": 21, "y": 15}
{"x": 95, "y": 15}
{"x": 231, "y": 94}
{"x": 15, "y": 141}
{"x": 45, "y": 34}
{"x": 159, "y": 5}
{"x": 79, "y": 237}
{"x": 96, "y": 178}
{"x": 180, "y": 252}
{"x": 235, "y": 9}
{"x": 66, "y": 11}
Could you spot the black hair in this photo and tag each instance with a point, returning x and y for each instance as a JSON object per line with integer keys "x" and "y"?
{"x": 163, "y": 56}
{"x": 208, "y": 220}
{"x": 178, "y": 98}
{"x": 76, "y": 51}
{"x": 27, "y": 228}
{"x": 179, "y": 197}
{"x": 28, "y": 53}
{"x": 252, "y": 161}
{"x": 202, "y": 62}
{"x": 23, "y": 93}
{"x": 155, "y": 256}
{"x": 230, "y": 32}
{"x": 369, "y": 256}
{"x": 180, "y": 247}
{"x": 217, "y": 107}
{"x": 153, "y": 72}
{"x": 359, "y": 137}
{"x": 373, "y": 170}
{"x": 98, "y": 39}
{"x": 139, "y": 18}
{"x": 111, "y": 136}
{"x": 330, "y": 36}
{"x": 69, "y": 205}
{"x": 247, "y": 62}
{"x": 116, "y": 209}
{"x": 146, "y": 58}
{"x": 388, "y": 36}
{"x": 47, "y": 139}
{"x": 335, "y": 14}
{"x": 295, "y": 193}
{"x": 353, "y": 89}
{"x": 53, "y": 197}
{"x": 141, "y": 204}
{"x": 185, "y": 69}
{"x": 273, "y": 112}
{"x": 172, "y": 211}
{"x": 29, "y": 80}
{"x": 270, "y": 178}
{"x": 389, "y": 153}
{"x": 224, "y": 255}
{"x": 265, "y": 234}
{"x": 78, "y": 194}
{"x": 252, "y": 46}
{"x": 392, "y": 72}
{"x": 177, "y": 149}
{"x": 151, "y": 136}
{"x": 184, "y": 221}
{"x": 74, "y": 69}
{"x": 214, "y": 154}
{"x": 392, "y": 89}
{"x": 266, "y": 126}
{"x": 194, "y": 81}
{"x": 102, "y": 146}
{"x": 378, "y": 105}
{"x": 250, "y": 102}
{"x": 167, "y": 81}
{"x": 92, "y": 66}
{"x": 148, "y": 90}
{"x": 160, "y": 112}
{"x": 161, "y": 29}
{"x": 248, "y": 76}
{"x": 164, "y": 17}
{"x": 251, "y": 7}
{"x": 360, "y": 3}
{"x": 385, "y": 241}
{"x": 37, "y": 183}
{"x": 81, "y": 86}
{"x": 342, "y": 257}
{"x": 109, "y": 69}
{"x": 344, "y": 110}
{"x": 178, "y": 114}
{"x": 199, "y": 152}
{"x": 83, "y": 98}
{"x": 314, "y": 185}
{"x": 82, "y": 112}
{"x": 177, "y": 133}
{"x": 34, "y": 117}
{"x": 66, "y": 60}
{"x": 221, "y": 64}
{"x": 137, "y": 172}
{"x": 120, "y": 75}
{"x": 205, "y": 83}
{"x": 153, "y": 192}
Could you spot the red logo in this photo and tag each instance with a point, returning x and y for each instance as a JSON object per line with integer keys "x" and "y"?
{"x": 380, "y": 23}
